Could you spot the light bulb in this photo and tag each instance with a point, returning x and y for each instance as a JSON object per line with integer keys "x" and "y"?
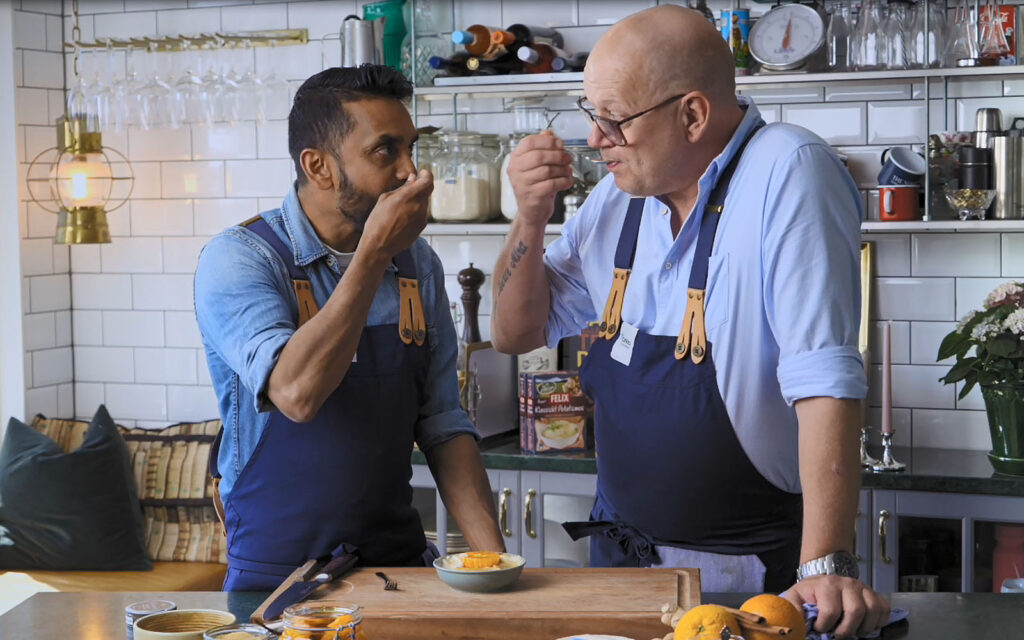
{"x": 82, "y": 181}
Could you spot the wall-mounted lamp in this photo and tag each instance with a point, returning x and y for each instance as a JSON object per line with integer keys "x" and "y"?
{"x": 82, "y": 183}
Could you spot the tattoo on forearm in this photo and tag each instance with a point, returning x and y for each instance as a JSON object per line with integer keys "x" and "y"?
{"x": 517, "y": 255}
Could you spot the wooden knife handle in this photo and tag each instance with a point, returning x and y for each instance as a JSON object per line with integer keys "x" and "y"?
{"x": 296, "y": 576}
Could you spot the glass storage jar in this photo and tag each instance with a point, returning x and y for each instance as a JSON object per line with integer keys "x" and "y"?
{"x": 463, "y": 169}
{"x": 323, "y": 621}
{"x": 495, "y": 145}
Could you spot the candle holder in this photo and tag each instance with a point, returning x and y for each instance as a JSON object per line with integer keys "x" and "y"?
{"x": 888, "y": 463}
{"x": 866, "y": 460}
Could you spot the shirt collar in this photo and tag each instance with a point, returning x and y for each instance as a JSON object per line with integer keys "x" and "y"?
{"x": 751, "y": 118}
{"x": 306, "y": 244}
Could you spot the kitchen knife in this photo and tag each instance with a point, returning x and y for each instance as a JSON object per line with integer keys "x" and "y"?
{"x": 319, "y": 574}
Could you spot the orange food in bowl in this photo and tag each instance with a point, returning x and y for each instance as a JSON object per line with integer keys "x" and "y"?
{"x": 480, "y": 560}
{"x": 777, "y": 611}
{"x": 705, "y": 621}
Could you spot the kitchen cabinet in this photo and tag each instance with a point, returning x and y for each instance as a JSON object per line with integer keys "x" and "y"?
{"x": 946, "y": 536}
{"x": 531, "y": 506}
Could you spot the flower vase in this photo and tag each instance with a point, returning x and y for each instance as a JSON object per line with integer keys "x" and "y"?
{"x": 1004, "y": 404}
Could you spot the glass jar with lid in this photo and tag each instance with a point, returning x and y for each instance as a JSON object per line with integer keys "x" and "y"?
{"x": 323, "y": 621}
{"x": 244, "y": 631}
{"x": 426, "y": 148}
{"x": 494, "y": 144}
{"x": 462, "y": 179}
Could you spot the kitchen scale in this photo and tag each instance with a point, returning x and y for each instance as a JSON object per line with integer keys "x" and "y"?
{"x": 790, "y": 37}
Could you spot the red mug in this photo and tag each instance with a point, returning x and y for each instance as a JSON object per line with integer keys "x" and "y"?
{"x": 897, "y": 202}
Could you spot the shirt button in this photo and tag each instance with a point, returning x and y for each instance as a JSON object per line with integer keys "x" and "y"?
{"x": 668, "y": 265}
{"x": 330, "y": 260}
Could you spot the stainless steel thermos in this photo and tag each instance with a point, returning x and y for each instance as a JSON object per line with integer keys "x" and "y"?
{"x": 1008, "y": 177}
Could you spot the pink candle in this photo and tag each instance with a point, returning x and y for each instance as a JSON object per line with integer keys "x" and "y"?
{"x": 887, "y": 378}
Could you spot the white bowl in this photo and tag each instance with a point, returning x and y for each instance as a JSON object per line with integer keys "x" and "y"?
{"x": 556, "y": 442}
{"x": 479, "y": 580}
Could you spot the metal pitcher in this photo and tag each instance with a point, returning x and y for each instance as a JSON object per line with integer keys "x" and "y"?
{"x": 1008, "y": 169}
{"x": 362, "y": 41}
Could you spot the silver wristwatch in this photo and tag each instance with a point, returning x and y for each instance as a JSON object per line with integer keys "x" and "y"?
{"x": 839, "y": 563}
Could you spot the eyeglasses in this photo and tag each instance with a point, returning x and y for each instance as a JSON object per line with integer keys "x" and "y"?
{"x": 612, "y": 129}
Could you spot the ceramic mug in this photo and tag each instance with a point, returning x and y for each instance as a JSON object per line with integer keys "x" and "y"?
{"x": 897, "y": 203}
{"x": 902, "y": 165}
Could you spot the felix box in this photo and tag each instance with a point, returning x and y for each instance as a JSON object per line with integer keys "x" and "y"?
{"x": 553, "y": 413}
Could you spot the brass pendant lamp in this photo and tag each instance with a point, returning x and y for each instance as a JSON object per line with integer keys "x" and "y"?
{"x": 78, "y": 180}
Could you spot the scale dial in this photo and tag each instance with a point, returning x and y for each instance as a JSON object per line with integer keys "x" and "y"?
{"x": 785, "y": 37}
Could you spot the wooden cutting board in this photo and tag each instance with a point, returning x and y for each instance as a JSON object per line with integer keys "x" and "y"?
{"x": 544, "y": 604}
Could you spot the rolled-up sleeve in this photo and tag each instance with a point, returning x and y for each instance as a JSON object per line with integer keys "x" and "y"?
{"x": 441, "y": 415}
{"x": 811, "y": 257}
{"x": 572, "y": 306}
{"x": 242, "y": 309}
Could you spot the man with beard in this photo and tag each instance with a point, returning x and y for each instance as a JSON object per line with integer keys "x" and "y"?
{"x": 331, "y": 349}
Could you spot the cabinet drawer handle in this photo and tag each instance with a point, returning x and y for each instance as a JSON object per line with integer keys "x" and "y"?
{"x": 503, "y": 512}
{"x": 528, "y": 517}
{"x": 883, "y": 522}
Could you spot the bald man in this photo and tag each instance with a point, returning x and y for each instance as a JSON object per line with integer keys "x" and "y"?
{"x": 721, "y": 258}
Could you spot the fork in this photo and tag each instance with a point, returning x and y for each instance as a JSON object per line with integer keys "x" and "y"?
{"x": 389, "y": 584}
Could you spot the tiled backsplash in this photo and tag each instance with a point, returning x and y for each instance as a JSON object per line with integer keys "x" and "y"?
{"x": 114, "y": 323}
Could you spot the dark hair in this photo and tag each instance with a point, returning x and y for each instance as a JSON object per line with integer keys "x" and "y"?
{"x": 318, "y": 119}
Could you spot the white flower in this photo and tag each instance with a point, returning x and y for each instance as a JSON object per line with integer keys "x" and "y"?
{"x": 965, "y": 321}
{"x": 1001, "y": 292}
{"x": 985, "y": 330}
{"x": 1015, "y": 322}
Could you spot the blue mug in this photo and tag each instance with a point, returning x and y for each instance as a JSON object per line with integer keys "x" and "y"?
{"x": 902, "y": 166}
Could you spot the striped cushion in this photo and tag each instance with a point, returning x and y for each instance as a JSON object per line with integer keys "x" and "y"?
{"x": 170, "y": 469}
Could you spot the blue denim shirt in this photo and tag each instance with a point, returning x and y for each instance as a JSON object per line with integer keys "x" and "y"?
{"x": 247, "y": 311}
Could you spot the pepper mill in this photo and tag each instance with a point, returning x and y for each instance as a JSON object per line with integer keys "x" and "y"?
{"x": 470, "y": 280}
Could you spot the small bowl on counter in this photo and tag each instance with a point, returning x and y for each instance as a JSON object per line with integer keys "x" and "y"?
{"x": 478, "y": 572}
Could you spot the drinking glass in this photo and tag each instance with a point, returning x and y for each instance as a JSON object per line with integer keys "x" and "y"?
{"x": 276, "y": 91}
{"x": 926, "y": 45}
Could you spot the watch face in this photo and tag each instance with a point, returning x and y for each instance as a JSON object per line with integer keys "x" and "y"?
{"x": 845, "y": 564}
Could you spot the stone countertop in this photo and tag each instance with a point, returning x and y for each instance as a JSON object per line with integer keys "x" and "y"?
{"x": 954, "y": 616}
{"x": 939, "y": 470}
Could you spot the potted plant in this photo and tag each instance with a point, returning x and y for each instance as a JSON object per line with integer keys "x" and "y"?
{"x": 988, "y": 345}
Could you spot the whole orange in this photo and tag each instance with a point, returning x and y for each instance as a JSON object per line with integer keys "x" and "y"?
{"x": 778, "y": 611}
{"x": 705, "y": 618}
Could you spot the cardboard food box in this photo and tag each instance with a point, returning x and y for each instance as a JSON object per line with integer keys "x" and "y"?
{"x": 553, "y": 413}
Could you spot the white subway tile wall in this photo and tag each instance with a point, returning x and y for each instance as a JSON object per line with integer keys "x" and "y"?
{"x": 124, "y": 310}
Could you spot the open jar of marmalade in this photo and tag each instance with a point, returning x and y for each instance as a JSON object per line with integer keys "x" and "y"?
{"x": 323, "y": 621}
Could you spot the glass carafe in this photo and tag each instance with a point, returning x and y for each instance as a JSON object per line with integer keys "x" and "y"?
{"x": 962, "y": 48}
{"x": 927, "y": 42}
{"x": 993, "y": 45}
{"x": 867, "y": 41}
{"x": 838, "y": 38}
{"x": 462, "y": 179}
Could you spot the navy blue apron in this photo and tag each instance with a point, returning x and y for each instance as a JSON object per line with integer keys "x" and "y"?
{"x": 341, "y": 480}
{"x": 671, "y": 471}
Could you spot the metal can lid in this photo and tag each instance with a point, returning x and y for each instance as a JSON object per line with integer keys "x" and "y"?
{"x": 150, "y": 606}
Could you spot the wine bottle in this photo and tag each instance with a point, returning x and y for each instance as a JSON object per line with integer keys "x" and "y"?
{"x": 537, "y": 58}
{"x": 520, "y": 34}
{"x": 507, "y": 63}
{"x": 455, "y": 65}
{"x": 477, "y": 41}
{"x": 575, "y": 62}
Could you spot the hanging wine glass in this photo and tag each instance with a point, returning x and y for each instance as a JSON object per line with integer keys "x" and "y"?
{"x": 276, "y": 90}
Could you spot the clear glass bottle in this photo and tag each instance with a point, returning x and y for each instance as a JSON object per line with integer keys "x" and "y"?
{"x": 866, "y": 41}
{"x": 895, "y": 36}
{"x": 927, "y": 42}
{"x": 323, "y": 621}
{"x": 462, "y": 179}
{"x": 838, "y": 38}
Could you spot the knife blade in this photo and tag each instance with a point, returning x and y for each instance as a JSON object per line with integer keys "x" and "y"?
{"x": 298, "y": 591}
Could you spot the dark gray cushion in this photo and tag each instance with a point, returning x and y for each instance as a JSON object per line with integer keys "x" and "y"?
{"x": 75, "y": 510}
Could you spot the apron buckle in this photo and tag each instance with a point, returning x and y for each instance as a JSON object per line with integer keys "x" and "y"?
{"x": 693, "y": 327}
{"x": 411, "y": 324}
{"x": 613, "y": 307}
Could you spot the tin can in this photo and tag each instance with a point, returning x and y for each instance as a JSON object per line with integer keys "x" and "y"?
{"x": 136, "y": 610}
{"x": 736, "y": 30}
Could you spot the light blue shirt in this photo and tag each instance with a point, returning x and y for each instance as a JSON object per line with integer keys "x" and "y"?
{"x": 783, "y": 295}
{"x": 246, "y": 309}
